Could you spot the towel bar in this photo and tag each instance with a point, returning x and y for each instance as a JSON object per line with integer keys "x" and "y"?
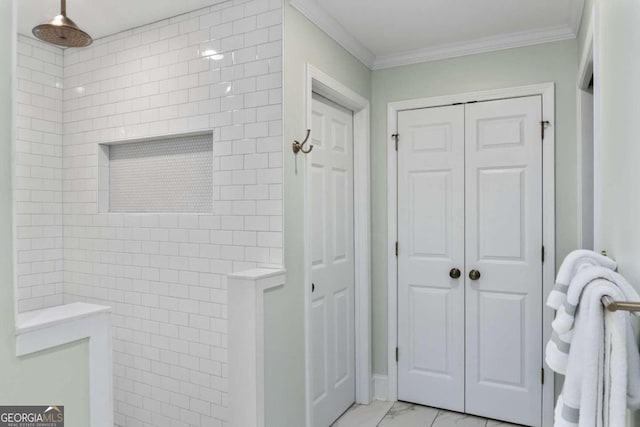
{"x": 612, "y": 305}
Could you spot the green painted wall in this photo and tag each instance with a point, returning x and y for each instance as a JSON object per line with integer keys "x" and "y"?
{"x": 554, "y": 62}
{"x": 284, "y": 308}
{"x": 58, "y": 376}
{"x": 620, "y": 93}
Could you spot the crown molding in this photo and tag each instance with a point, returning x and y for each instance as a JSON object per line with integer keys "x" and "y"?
{"x": 316, "y": 14}
{"x": 321, "y": 18}
{"x": 483, "y": 45}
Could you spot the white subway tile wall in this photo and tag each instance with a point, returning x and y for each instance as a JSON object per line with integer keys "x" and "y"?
{"x": 38, "y": 175}
{"x": 218, "y": 68}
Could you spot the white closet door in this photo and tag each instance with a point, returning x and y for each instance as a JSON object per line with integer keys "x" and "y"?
{"x": 504, "y": 242}
{"x": 431, "y": 243}
{"x": 332, "y": 306}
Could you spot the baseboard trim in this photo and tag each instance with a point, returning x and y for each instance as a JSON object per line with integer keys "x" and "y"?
{"x": 380, "y": 387}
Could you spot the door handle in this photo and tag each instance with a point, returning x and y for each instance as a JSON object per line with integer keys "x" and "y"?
{"x": 313, "y": 287}
{"x": 454, "y": 273}
{"x": 474, "y": 274}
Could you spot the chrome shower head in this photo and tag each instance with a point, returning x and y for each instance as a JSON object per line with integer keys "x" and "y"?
{"x": 62, "y": 31}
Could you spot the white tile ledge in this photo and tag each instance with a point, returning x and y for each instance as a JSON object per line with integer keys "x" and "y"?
{"x": 257, "y": 274}
{"x": 38, "y": 319}
{"x": 51, "y": 327}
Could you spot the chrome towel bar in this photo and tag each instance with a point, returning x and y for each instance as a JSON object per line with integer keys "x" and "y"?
{"x": 612, "y": 305}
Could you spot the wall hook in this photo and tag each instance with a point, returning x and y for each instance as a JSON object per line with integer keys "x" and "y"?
{"x": 297, "y": 146}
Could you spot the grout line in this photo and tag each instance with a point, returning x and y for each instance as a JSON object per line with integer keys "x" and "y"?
{"x": 385, "y": 414}
{"x": 440, "y": 412}
{"x": 436, "y": 417}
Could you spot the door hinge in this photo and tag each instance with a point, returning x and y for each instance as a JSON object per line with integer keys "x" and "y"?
{"x": 543, "y": 126}
{"x": 397, "y": 354}
{"x": 396, "y": 248}
{"x": 543, "y": 254}
{"x": 542, "y": 376}
{"x": 396, "y": 137}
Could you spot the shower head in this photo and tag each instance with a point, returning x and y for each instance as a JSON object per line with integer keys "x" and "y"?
{"x": 62, "y": 31}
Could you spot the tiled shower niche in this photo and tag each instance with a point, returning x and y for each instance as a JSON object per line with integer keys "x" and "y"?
{"x": 171, "y": 174}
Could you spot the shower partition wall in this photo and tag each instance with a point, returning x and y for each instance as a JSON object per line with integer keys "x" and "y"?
{"x": 217, "y": 70}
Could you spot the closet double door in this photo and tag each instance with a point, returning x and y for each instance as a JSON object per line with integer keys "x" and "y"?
{"x": 469, "y": 259}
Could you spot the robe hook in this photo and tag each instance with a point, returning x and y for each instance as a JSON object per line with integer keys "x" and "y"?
{"x": 297, "y": 146}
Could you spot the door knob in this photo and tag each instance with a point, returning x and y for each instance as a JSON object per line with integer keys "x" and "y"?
{"x": 474, "y": 274}
{"x": 454, "y": 273}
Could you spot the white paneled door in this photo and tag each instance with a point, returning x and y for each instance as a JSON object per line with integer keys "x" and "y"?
{"x": 504, "y": 244}
{"x": 431, "y": 238}
{"x": 332, "y": 261}
{"x": 470, "y": 197}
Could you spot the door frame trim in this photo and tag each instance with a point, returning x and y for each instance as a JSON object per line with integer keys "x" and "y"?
{"x": 547, "y": 91}
{"x": 321, "y": 83}
{"x": 587, "y": 70}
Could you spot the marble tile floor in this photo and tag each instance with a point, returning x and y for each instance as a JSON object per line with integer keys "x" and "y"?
{"x": 402, "y": 414}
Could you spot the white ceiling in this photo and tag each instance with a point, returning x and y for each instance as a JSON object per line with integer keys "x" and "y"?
{"x": 104, "y": 17}
{"x": 383, "y": 33}
{"x": 380, "y": 33}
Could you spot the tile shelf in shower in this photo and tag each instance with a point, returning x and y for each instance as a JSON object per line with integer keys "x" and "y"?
{"x": 30, "y": 321}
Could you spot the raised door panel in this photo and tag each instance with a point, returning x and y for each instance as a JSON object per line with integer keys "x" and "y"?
{"x": 497, "y": 338}
{"x": 319, "y": 348}
{"x": 429, "y": 214}
{"x": 343, "y": 356}
{"x": 318, "y": 216}
{"x": 501, "y": 237}
{"x": 341, "y": 216}
{"x": 429, "y": 351}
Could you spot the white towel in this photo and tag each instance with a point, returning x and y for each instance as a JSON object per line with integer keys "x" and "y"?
{"x": 557, "y": 350}
{"x": 574, "y": 262}
{"x": 563, "y": 322}
{"x": 603, "y": 370}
